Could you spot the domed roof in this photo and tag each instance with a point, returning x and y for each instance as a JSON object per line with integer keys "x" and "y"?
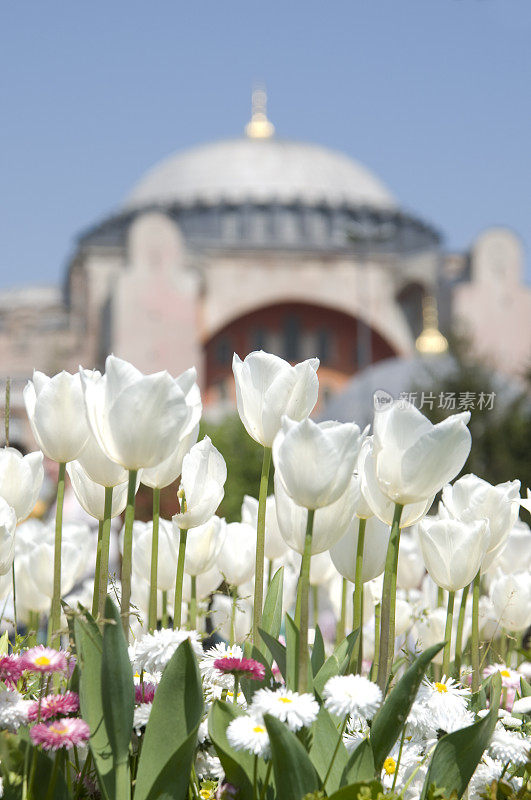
{"x": 260, "y": 170}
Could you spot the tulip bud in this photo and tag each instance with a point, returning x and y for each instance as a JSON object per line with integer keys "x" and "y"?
{"x": 452, "y": 550}
{"x": 275, "y": 546}
{"x": 315, "y": 462}
{"x": 8, "y": 523}
{"x": 56, "y": 413}
{"x": 204, "y": 474}
{"x": 236, "y": 559}
{"x": 203, "y": 545}
{"x": 374, "y": 550}
{"x": 511, "y": 599}
{"x": 91, "y": 495}
{"x": 267, "y": 388}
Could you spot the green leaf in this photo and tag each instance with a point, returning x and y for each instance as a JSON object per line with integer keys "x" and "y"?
{"x": 292, "y": 654}
{"x": 325, "y": 739}
{"x": 295, "y": 775}
{"x": 318, "y": 651}
{"x": 277, "y": 650}
{"x": 388, "y": 723}
{"x": 352, "y": 791}
{"x": 525, "y": 688}
{"x": 237, "y": 765}
{"x": 360, "y": 766}
{"x": 171, "y": 734}
{"x": 248, "y": 686}
{"x": 89, "y": 647}
{"x": 457, "y": 754}
{"x": 337, "y": 663}
{"x": 272, "y": 614}
{"x": 117, "y": 685}
{"x": 43, "y": 774}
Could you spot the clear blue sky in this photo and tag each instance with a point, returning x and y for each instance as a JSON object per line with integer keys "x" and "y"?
{"x": 433, "y": 95}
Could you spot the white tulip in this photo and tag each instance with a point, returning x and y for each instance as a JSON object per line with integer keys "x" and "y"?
{"x": 91, "y": 495}
{"x": 203, "y": 476}
{"x": 511, "y": 599}
{"x": 414, "y": 458}
{"x": 453, "y": 550}
{"x": 56, "y": 413}
{"x": 330, "y": 522}
{"x": 135, "y": 418}
{"x": 8, "y": 523}
{"x": 343, "y": 553}
{"x": 74, "y": 552}
{"x": 431, "y": 631}
{"x": 267, "y": 388}
{"x": 169, "y": 470}
{"x": 205, "y": 584}
{"x": 527, "y": 503}
{"x": 167, "y": 553}
{"x": 404, "y": 616}
{"x": 236, "y": 559}
{"x": 203, "y": 545}
{"x": 275, "y": 546}
{"x": 382, "y": 506}
{"x": 471, "y": 498}
{"x": 315, "y": 462}
{"x": 410, "y": 565}
{"x": 517, "y": 550}
{"x": 21, "y": 480}
{"x": 99, "y": 467}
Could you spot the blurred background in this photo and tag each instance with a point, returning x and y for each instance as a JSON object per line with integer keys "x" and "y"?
{"x": 185, "y": 181}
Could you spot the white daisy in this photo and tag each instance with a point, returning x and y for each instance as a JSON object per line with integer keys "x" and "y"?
{"x": 202, "y": 731}
{"x": 411, "y": 755}
{"x": 447, "y": 704}
{"x": 487, "y": 770}
{"x": 513, "y": 723}
{"x": 208, "y": 766}
{"x": 250, "y": 734}
{"x": 13, "y": 710}
{"x": 522, "y": 706}
{"x": 352, "y": 694}
{"x": 141, "y": 716}
{"x": 420, "y": 722}
{"x": 296, "y": 710}
{"x": 152, "y": 652}
{"x": 220, "y": 650}
{"x": 507, "y": 746}
{"x": 215, "y": 691}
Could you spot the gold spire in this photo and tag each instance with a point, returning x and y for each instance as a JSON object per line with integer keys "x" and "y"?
{"x": 259, "y": 127}
{"x": 431, "y": 341}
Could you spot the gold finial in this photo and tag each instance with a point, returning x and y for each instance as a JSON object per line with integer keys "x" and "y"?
{"x": 431, "y": 341}
{"x": 259, "y": 127}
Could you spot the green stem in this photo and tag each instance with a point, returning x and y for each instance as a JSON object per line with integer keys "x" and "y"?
{"x": 266, "y": 779}
{"x": 127, "y": 560}
{"x": 105, "y": 545}
{"x": 376, "y": 657}
{"x": 334, "y": 754}
{"x": 255, "y": 778}
{"x": 55, "y": 772}
{"x": 260, "y": 546}
{"x": 96, "y": 588}
{"x": 304, "y": 581}
{"x": 152, "y": 615}
{"x": 397, "y": 767}
{"x": 192, "y": 622}
{"x": 122, "y": 780}
{"x": 14, "y": 594}
{"x": 474, "y": 655}
{"x": 315, "y": 605}
{"x": 177, "y": 607}
{"x": 459, "y": 632}
{"x": 236, "y": 689}
{"x": 342, "y": 622}
{"x": 357, "y": 603}
{"x": 164, "y": 609}
{"x": 387, "y": 633}
{"x": 54, "y": 624}
{"x": 234, "y": 596}
{"x": 448, "y": 634}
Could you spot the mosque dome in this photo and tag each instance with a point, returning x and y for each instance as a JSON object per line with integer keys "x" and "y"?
{"x": 260, "y": 170}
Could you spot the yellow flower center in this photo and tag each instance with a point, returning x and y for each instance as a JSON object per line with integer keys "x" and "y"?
{"x": 42, "y": 661}
{"x": 258, "y": 729}
{"x": 58, "y": 728}
{"x": 285, "y": 700}
{"x": 389, "y": 766}
{"x": 441, "y": 687}
{"x": 505, "y": 673}
{"x": 206, "y": 794}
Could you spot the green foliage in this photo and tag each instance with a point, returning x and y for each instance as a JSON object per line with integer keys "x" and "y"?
{"x": 502, "y": 436}
{"x": 323, "y": 748}
{"x": 366, "y": 790}
{"x": 294, "y": 773}
{"x": 360, "y": 766}
{"x": 171, "y": 734}
{"x": 237, "y": 765}
{"x": 337, "y": 663}
{"x": 245, "y": 458}
{"x": 457, "y": 754}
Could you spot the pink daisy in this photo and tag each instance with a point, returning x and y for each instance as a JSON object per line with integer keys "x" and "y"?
{"x": 67, "y": 733}
{"x": 54, "y": 705}
{"x": 241, "y": 668}
{"x": 44, "y": 659}
{"x": 144, "y": 692}
{"x": 11, "y": 668}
